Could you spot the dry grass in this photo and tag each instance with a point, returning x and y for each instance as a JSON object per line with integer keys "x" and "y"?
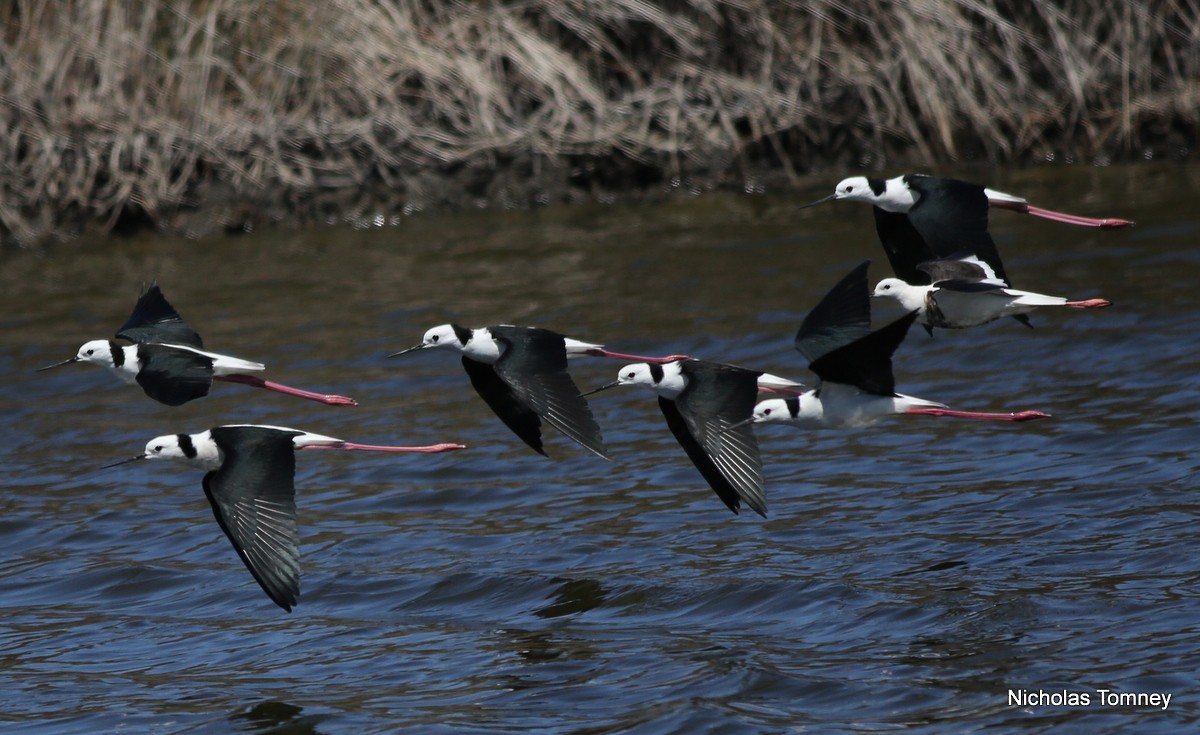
{"x": 118, "y": 112}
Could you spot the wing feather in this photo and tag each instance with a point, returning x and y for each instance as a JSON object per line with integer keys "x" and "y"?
{"x": 534, "y": 366}
{"x": 840, "y": 317}
{"x": 716, "y": 398}
{"x": 253, "y": 497}
{"x": 154, "y": 320}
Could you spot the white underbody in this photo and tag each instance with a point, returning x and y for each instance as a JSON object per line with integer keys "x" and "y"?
{"x": 840, "y": 406}
{"x": 957, "y": 310}
{"x": 945, "y": 308}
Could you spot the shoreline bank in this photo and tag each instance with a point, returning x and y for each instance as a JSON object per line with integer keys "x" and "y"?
{"x": 232, "y": 115}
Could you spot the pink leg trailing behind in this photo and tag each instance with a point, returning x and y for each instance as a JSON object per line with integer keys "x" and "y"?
{"x": 326, "y": 398}
{"x": 1110, "y": 223}
{"x": 778, "y": 390}
{"x": 353, "y": 447}
{"x": 636, "y": 358}
{"x": 977, "y": 415}
{"x": 1088, "y": 304}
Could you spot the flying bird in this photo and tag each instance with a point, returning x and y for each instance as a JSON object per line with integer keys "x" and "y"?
{"x": 706, "y": 405}
{"x": 251, "y": 486}
{"x": 854, "y": 364}
{"x": 965, "y": 292}
{"x": 168, "y": 361}
{"x": 521, "y": 373}
{"x": 921, "y": 218}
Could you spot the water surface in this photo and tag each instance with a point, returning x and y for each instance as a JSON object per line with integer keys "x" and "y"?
{"x": 907, "y": 577}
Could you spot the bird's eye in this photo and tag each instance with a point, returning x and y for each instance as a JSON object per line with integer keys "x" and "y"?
{"x": 767, "y": 411}
{"x": 90, "y": 352}
{"x": 847, "y": 189}
{"x": 630, "y": 374}
{"x": 157, "y": 448}
{"x": 434, "y": 339}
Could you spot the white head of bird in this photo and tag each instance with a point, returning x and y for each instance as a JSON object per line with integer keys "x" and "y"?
{"x": 198, "y": 449}
{"x": 443, "y": 336}
{"x": 911, "y": 298}
{"x": 891, "y": 195}
{"x": 106, "y": 354}
{"x": 771, "y": 410}
{"x": 98, "y": 352}
{"x": 666, "y": 380}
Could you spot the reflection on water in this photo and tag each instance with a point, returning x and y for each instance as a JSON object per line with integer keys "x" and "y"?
{"x": 907, "y": 575}
{"x": 277, "y": 718}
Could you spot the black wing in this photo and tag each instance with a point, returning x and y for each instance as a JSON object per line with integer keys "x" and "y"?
{"x": 534, "y": 365}
{"x": 952, "y": 269}
{"x": 523, "y": 421}
{"x": 724, "y": 489}
{"x": 967, "y": 286}
{"x": 253, "y": 497}
{"x": 155, "y": 320}
{"x": 903, "y": 245}
{"x": 866, "y": 363}
{"x": 841, "y": 317}
{"x": 717, "y": 397}
{"x": 173, "y": 376}
{"x": 952, "y": 217}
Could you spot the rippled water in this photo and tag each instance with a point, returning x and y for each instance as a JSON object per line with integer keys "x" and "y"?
{"x": 907, "y": 577}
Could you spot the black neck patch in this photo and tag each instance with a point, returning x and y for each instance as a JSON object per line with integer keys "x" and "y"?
{"x": 656, "y": 372}
{"x": 793, "y": 405}
{"x": 118, "y": 353}
{"x": 186, "y": 446}
{"x": 877, "y": 185}
{"x": 464, "y": 335}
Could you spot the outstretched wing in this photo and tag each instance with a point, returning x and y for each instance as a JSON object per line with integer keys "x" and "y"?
{"x": 842, "y": 316}
{"x": 534, "y": 365}
{"x": 522, "y": 420}
{"x": 174, "y": 376}
{"x": 964, "y": 268}
{"x": 903, "y": 245}
{"x": 725, "y": 490}
{"x": 952, "y": 217}
{"x": 253, "y": 497}
{"x": 155, "y": 320}
{"x": 716, "y": 398}
{"x": 866, "y": 363}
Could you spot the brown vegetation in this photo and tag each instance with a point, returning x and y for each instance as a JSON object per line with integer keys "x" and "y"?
{"x": 140, "y": 112}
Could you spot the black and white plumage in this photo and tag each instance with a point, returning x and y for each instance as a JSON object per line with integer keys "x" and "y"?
{"x": 168, "y": 361}
{"x": 521, "y": 373}
{"x": 964, "y": 292}
{"x": 921, "y": 218}
{"x": 706, "y": 405}
{"x": 854, "y": 364}
{"x": 250, "y": 485}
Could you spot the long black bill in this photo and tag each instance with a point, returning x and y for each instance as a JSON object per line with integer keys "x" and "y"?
{"x": 57, "y": 364}
{"x": 414, "y": 348}
{"x": 613, "y": 384}
{"x": 124, "y": 461}
{"x": 829, "y": 198}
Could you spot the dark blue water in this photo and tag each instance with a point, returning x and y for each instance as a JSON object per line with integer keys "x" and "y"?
{"x": 908, "y": 576}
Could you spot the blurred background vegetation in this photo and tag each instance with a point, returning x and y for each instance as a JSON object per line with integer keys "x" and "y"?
{"x": 192, "y": 114}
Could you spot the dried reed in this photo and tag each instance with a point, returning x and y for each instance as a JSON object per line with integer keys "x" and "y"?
{"x": 138, "y": 113}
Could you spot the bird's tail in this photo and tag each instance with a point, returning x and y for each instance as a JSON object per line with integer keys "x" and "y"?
{"x": 1028, "y": 298}
{"x": 904, "y": 403}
